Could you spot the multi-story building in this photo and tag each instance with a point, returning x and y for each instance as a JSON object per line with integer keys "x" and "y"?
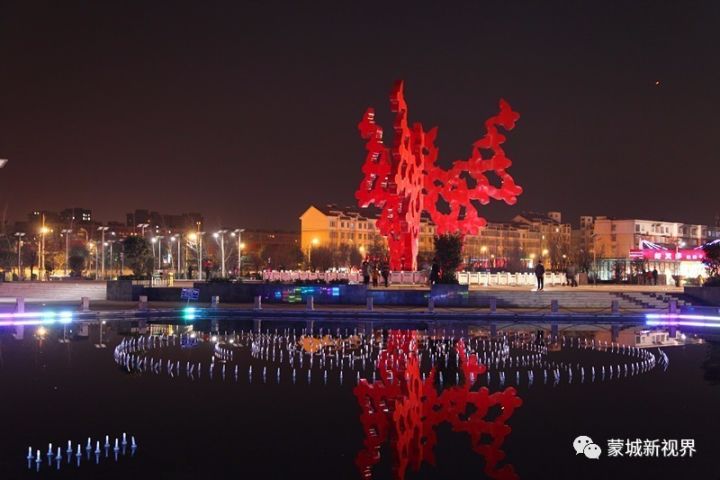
{"x": 615, "y": 238}
{"x": 333, "y": 226}
{"x": 671, "y": 248}
{"x": 519, "y": 244}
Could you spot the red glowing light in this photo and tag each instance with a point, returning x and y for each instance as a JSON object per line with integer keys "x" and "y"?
{"x": 407, "y": 410}
{"x": 404, "y": 181}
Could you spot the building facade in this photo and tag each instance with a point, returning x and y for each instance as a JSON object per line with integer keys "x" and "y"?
{"x": 516, "y": 245}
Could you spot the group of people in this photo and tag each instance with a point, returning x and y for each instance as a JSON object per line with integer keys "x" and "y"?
{"x": 372, "y": 269}
{"x": 570, "y": 276}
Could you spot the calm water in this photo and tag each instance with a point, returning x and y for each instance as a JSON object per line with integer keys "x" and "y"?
{"x": 204, "y": 427}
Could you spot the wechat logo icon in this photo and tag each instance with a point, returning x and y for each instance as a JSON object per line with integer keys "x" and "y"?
{"x": 585, "y": 445}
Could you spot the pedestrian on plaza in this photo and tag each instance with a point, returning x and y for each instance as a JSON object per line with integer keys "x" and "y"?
{"x": 434, "y": 273}
{"x": 655, "y": 276}
{"x": 385, "y": 272}
{"x": 375, "y": 273}
{"x": 365, "y": 269}
{"x": 540, "y": 275}
{"x": 570, "y": 276}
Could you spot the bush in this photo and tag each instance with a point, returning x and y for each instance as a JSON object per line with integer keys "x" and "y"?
{"x": 448, "y": 252}
{"x": 712, "y": 282}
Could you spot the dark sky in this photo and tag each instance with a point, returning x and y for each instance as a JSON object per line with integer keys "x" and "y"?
{"x": 247, "y": 111}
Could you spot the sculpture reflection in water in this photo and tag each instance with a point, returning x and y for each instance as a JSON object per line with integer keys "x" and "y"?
{"x": 405, "y": 409}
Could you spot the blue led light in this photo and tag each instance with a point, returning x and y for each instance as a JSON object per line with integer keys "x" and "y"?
{"x": 189, "y": 313}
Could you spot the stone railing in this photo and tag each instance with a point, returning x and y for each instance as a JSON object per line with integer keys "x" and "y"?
{"x": 507, "y": 279}
{"x": 418, "y": 278}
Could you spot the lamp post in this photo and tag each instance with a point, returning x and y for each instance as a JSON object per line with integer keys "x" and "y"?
{"x": 19, "y": 236}
{"x": 313, "y": 242}
{"x": 238, "y": 232}
{"x": 102, "y": 231}
{"x": 177, "y": 238}
{"x": 142, "y": 227}
{"x": 159, "y": 242}
{"x": 67, "y": 232}
{"x": 41, "y": 262}
{"x": 221, "y": 235}
{"x": 197, "y": 236}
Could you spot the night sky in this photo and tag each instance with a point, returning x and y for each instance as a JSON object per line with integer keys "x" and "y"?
{"x": 248, "y": 111}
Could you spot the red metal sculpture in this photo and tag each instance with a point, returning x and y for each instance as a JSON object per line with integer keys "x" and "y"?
{"x": 404, "y": 181}
{"x": 406, "y": 409}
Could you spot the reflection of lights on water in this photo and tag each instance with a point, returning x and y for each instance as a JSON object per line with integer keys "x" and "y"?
{"x": 682, "y": 320}
{"x": 34, "y": 318}
{"x": 682, "y": 316}
{"x": 659, "y": 323}
{"x": 41, "y": 331}
{"x": 214, "y": 338}
{"x": 231, "y": 341}
{"x": 188, "y": 313}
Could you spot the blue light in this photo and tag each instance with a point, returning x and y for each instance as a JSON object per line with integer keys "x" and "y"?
{"x": 189, "y": 313}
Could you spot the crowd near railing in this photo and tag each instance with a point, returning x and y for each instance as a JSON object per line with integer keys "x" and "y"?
{"x": 417, "y": 278}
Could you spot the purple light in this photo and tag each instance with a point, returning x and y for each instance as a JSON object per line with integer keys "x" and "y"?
{"x": 668, "y": 323}
{"x": 682, "y": 316}
{"x": 34, "y": 318}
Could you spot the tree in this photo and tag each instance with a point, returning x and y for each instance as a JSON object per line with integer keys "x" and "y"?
{"x": 346, "y": 256}
{"x": 321, "y": 258}
{"x": 29, "y": 255}
{"x": 282, "y": 257}
{"x": 712, "y": 263}
{"x": 77, "y": 257}
{"x": 138, "y": 256}
{"x": 448, "y": 251}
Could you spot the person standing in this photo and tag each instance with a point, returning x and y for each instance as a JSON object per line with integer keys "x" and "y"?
{"x": 540, "y": 275}
{"x": 385, "y": 272}
{"x": 434, "y": 273}
{"x": 365, "y": 269}
{"x": 375, "y": 273}
{"x": 655, "y": 276}
{"x": 570, "y": 274}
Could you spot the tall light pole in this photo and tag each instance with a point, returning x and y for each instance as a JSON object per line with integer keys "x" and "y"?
{"x": 41, "y": 263}
{"x": 238, "y": 233}
{"x": 19, "y": 236}
{"x": 221, "y": 234}
{"x": 158, "y": 239}
{"x": 102, "y": 231}
{"x": 200, "y": 254}
{"x": 313, "y": 242}
{"x": 177, "y": 238}
{"x": 67, "y": 232}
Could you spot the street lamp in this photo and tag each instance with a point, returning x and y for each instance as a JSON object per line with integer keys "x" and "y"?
{"x": 3, "y": 162}
{"x": 19, "y": 247}
{"x": 158, "y": 239}
{"x": 41, "y": 266}
{"x": 221, "y": 234}
{"x": 313, "y": 243}
{"x": 102, "y": 231}
{"x": 238, "y": 232}
{"x": 177, "y": 238}
{"x": 67, "y": 232}
{"x": 142, "y": 227}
